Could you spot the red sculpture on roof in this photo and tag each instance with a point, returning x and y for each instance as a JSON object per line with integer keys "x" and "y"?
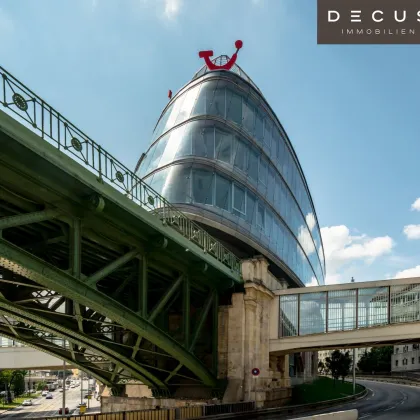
{"x": 211, "y": 66}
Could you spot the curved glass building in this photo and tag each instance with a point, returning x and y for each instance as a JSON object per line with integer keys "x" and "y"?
{"x": 221, "y": 155}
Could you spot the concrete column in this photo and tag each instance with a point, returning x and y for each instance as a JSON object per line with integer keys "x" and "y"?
{"x": 248, "y": 324}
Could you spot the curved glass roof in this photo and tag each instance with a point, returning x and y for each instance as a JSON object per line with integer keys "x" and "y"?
{"x": 220, "y": 61}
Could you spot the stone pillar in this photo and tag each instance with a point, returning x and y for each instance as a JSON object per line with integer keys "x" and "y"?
{"x": 246, "y": 344}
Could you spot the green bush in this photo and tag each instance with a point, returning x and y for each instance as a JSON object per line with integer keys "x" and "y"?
{"x": 322, "y": 389}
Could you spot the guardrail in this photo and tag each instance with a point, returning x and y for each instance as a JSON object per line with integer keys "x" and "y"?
{"x": 43, "y": 119}
{"x": 244, "y": 410}
{"x": 180, "y": 413}
{"x": 391, "y": 380}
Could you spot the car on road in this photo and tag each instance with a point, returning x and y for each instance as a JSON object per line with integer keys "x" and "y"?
{"x": 27, "y": 402}
{"x": 60, "y": 389}
{"x": 60, "y": 411}
{"x": 44, "y": 393}
{"x": 49, "y": 396}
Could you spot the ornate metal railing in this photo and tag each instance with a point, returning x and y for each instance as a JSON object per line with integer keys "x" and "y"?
{"x": 42, "y": 118}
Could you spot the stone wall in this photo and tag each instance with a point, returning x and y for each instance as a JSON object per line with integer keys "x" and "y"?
{"x": 113, "y": 404}
{"x": 244, "y": 333}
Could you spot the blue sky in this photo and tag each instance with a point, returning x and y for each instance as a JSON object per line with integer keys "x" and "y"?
{"x": 350, "y": 111}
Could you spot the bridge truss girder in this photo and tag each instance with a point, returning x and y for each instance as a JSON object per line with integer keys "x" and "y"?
{"x": 112, "y": 321}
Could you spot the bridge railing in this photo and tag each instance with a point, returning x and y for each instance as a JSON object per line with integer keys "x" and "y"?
{"x": 36, "y": 114}
{"x": 325, "y": 311}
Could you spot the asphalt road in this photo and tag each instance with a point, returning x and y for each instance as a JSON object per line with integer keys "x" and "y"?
{"x": 385, "y": 401}
{"x": 43, "y": 407}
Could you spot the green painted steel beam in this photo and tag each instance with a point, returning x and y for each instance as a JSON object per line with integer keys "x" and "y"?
{"x": 28, "y": 218}
{"x": 47, "y": 324}
{"x": 186, "y": 300}
{"x": 201, "y": 320}
{"x": 28, "y": 139}
{"x": 144, "y": 287}
{"x": 32, "y": 268}
{"x": 197, "y": 331}
{"x": 165, "y": 299}
{"x": 110, "y": 268}
{"x": 215, "y": 332}
{"x": 45, "y": 349}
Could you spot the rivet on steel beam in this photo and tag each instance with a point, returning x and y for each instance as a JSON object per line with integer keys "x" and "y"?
{"x": 96, "y": 203}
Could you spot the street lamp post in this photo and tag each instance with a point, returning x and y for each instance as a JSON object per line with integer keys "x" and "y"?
{"x": 64, "y": 385}
{"x": 354, "y": 371}
{"x": 81, "y": 386}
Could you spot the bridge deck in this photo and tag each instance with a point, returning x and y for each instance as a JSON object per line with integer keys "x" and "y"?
{"x": 351, "y": 315}
{"x": 95, "y": 267}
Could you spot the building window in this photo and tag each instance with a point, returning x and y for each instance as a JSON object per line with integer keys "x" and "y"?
{"x": 397, "y": 349}
{"x": 260, "y": 216}
{"x": 202, "y": 187}
{"x": 223, "y": 146}
{"x": 239, "y": 199}
{"x": 203, "y": 142}
{"x": 396, "y": 363}
{"x": 412, "y": 360}
{"x": 263, "y": 168}
{"x": 223, "y": 189}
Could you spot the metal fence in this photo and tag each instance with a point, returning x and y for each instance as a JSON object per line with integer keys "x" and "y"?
{"x": 179, "y": 413}
{"x": 37, "y": 115}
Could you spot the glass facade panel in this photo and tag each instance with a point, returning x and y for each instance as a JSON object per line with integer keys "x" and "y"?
{"x": 202, "y": 187}
{"x": 251, "y": 141}
{"x": 239, "y": 199}
{"x": 373, "y": 307}
{"x": 342, "y": 312}
{"x": 405, "y": 303}
{"x": 289, "y": 318}
{"x": 223, "y": 189}
{"x": 203, "y": 142}
{"x": 224, "y": 142}
{"x": 312, "y": 313}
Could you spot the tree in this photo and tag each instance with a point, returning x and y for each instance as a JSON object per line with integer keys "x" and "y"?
{"x": 12, "y": 379}
{"x": 19, "y": 382}
{"x": 338, "y": 364}
{"x": 41, "y": 385}
{"x": 321, "y": 367}
{"x": 376, "y": 360}
{"x": 6, "y": 376}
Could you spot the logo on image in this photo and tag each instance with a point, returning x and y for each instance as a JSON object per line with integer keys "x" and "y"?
{"x": 368, "y": 22}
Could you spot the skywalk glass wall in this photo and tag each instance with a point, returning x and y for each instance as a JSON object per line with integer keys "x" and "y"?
{"x": 344, "y": 310}
{"x": 219, "y": 148}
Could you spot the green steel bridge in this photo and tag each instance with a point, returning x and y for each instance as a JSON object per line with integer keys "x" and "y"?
{"x": 95, "y": 267}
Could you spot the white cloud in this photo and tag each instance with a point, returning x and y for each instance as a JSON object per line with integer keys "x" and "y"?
{"x": 165, "y": 9}
{"x": 342, "y": 249}
{"x": 310, "y": 220}
{"x": 412, "y": 231}
{"x": 416, "y": 205}
{"x": 409, "y": 272}
{"x": 172, "y": 8}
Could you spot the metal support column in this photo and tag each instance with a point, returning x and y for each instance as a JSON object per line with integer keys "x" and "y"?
{"x": 326, "y": 311}
{"x": 186, "y": 314}
{"x": 357, "y": 309}
{"x": 215, "y": 338}
{"x": 354, "y": 371}
{"x": 64, "y": 384}
{"x": 144, "y": 287}
{"x": 165, "y": 299}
